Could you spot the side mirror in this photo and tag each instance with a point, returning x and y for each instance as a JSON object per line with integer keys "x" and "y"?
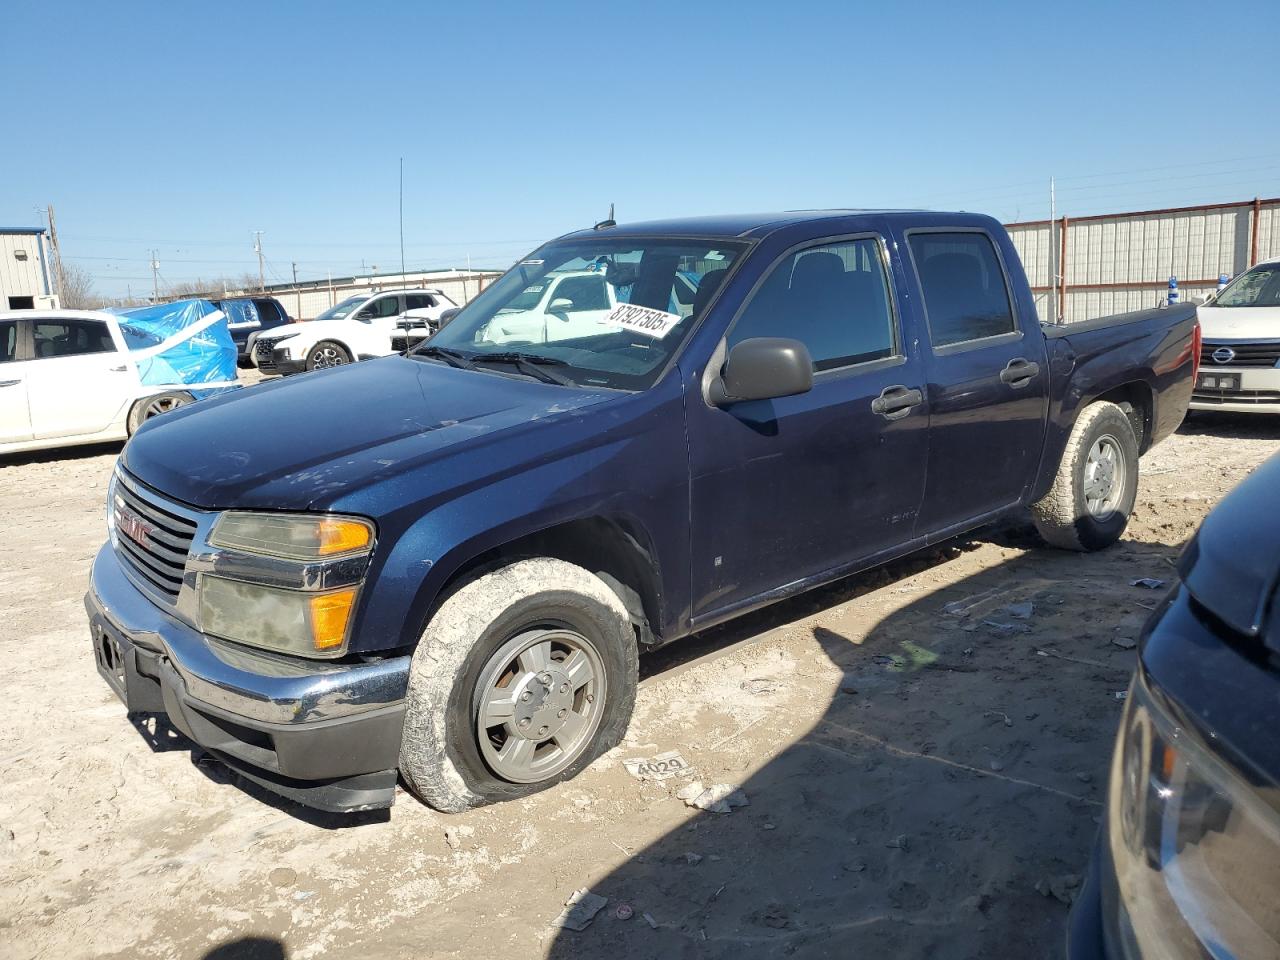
{"x": 560, "y": 305}
{"x": 763, "y": 368}
{"x": 446, "y": 316}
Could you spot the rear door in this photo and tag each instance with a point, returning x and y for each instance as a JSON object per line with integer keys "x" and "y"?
{"x": 795, "y": 487}
{"x": 15, "y": 418}
{"x": 987, "y": 379}
{"x": 78, "y": 381}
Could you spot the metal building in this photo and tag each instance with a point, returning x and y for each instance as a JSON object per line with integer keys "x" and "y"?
{"x": 26, "y": 277}
{"x": 306, "y": 300}
{"x": 1092, "y": 266}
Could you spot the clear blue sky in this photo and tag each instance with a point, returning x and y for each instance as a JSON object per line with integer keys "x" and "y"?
{"x": 184, "y": 127}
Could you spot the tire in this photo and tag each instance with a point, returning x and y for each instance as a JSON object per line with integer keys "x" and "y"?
{"x": 1082, "y": 511}
{"x": 463, "y": 655}
{"x": 327, "y": 354}
{"x": 153, "y": 406}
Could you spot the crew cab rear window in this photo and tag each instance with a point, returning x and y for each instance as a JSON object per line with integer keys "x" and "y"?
{"x": 8, "y": 340}
{"x": 418, "y": 301}
{"x": 834, "y": 299}
{"x": 965, "y": 295}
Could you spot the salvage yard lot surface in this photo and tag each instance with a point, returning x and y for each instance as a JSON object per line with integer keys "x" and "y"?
{"x": 923, "y": 751}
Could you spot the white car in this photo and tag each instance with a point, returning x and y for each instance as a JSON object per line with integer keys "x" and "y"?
{"x": 557, "y": 307}
{"x": 359, "y": 328}
{"x": 1240, "y": 357}
{"x": 71, "y": 376}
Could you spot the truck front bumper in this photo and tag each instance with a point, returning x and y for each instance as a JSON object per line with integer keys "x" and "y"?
{"x": 325, "y": 735}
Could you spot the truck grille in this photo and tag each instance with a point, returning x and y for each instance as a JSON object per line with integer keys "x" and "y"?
{"x": 1245, "y": 354}
{"x": 152, "y": 538}
{"x": 262, "y": 353}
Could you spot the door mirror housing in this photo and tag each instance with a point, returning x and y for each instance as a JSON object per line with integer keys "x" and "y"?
{"x": 560, "y": 305}
{"x": 763, "y": 368}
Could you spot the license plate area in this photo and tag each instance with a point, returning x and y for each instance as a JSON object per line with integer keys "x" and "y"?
{"x": 1218, "y": 381}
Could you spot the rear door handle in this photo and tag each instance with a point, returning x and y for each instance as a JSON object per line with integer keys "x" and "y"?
{"x": 1019, "y": 372}
{"x": 9, "y": 383}
{"x": 896, "y": 402}
{"x": 120, "y": 369}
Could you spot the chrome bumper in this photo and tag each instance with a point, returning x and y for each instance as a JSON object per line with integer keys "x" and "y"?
{"x": 325, "y": 734}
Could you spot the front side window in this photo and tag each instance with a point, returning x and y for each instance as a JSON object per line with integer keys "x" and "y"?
{"x": 8, "y": 340}
{"x": 382, "y": 307}
{"x": 620, "y": 329}
{"x": 834, "y": 299}
{"x": 70, "y": 338}
{"x": 965, "y": 295}
{"x": 1259, "y": 287}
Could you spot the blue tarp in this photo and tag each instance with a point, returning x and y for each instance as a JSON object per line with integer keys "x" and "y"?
{"x": 185, "y": 342}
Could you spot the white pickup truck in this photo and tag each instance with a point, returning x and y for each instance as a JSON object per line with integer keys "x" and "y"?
{"x": 359, "y": 328}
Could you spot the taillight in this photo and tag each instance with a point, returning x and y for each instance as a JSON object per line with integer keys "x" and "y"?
{"x": 1197, "y": 338}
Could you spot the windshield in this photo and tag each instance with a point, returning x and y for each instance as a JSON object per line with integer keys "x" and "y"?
{"x": 618, "y": 308}
{"x": 1259, "y": 287}
{"x": 136, "y": 338}
{"x": 341, "y": 311}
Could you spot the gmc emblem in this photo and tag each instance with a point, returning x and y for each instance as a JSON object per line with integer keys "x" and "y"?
{"x": 133, "y": 526}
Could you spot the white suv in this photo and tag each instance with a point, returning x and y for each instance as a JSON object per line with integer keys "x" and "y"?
{"x": 359, "y": 328}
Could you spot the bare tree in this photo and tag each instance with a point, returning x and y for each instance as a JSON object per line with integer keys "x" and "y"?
{"x": 77, "y": 288}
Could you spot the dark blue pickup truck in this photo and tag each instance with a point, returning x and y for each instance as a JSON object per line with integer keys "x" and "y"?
{"x": 443, "y": 566}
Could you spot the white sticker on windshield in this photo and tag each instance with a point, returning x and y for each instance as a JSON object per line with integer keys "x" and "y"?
{"x": 643, "y": 320}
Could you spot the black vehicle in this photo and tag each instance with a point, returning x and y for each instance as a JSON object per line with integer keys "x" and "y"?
{"x": 1188, "y": 857}
{"x": 249, "y": 315}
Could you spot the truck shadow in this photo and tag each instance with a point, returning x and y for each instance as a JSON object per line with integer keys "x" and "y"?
{"x": 944, "y": 803}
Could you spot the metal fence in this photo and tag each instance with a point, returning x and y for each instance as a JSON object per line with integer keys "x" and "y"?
{"x": 1111, "y": 263}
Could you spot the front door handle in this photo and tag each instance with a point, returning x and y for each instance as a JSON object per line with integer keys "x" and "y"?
{"x": 9, "y": 383}
{"x": 896, "y": 402}
{"x": 120, "y": 369}
{"x": 1019, "y": 372}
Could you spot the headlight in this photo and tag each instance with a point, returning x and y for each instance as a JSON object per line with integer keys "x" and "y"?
{"x": 293, "y": 536}
{"x": 286, "y": 582}
{"x": 1196, "y": 851}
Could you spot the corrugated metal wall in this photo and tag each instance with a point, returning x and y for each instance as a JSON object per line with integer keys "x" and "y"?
{"x": 26, "y": 277}
{"x": 1123, "y": 262}
{"x": 306, "y": 301}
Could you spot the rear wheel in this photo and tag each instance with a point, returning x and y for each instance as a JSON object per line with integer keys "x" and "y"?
{"x": 326, "y": 354}
{"x": 522, "y": 678}
{"x": 161, "y": 403}
{"x": 1092, "y": 496}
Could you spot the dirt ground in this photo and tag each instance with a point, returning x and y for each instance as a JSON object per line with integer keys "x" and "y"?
{"x": 919, "y": 782}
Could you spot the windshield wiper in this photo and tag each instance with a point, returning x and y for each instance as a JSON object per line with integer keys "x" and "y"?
{"x": 530, "y": 364}
{"x": 452, "y": 357}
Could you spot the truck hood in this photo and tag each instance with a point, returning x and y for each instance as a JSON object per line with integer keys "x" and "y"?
{"x": 1239, "y": 323}
{"x": 301, "y": 443}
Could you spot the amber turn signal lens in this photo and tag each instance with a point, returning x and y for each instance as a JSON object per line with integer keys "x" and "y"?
{"x": 342, "y": 536}
{"x": 329, "y": 615}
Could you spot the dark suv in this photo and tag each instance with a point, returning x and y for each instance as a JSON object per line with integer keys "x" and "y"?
{"x": 249, "y": 315}
{"x": 1188, "y": 857}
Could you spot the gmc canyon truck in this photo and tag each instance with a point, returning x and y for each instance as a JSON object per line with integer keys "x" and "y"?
{"x": 442, "y": 567}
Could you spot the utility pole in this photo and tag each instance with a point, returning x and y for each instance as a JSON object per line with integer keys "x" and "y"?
{"x": 257, "y": 248}
{"x": 402, "y": 218}
{"x": 57, "y": 251}
{"x": 1052, "y": 252}
{"x": 155, "y": 278}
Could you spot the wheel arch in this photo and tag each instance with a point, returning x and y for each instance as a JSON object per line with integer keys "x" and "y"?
{"x": 615, "y": 548}
{"x": 1137, "y": 400}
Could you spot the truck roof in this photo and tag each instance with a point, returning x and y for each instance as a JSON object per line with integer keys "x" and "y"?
{"x": 757, "y": 225}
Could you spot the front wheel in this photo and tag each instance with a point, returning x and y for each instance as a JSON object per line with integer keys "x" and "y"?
{"x": 327, "y": 354}
{"x": 149, "y": 407}
{"x": 1092, "y": 496}
{"x": 522, "y": 678}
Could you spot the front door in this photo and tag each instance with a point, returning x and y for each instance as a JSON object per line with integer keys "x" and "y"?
{"x": 788, "y": 489}
{"x": 78, "y": 382}
{"x": 987, "y": 381}
{"x": 15, "y": 420}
